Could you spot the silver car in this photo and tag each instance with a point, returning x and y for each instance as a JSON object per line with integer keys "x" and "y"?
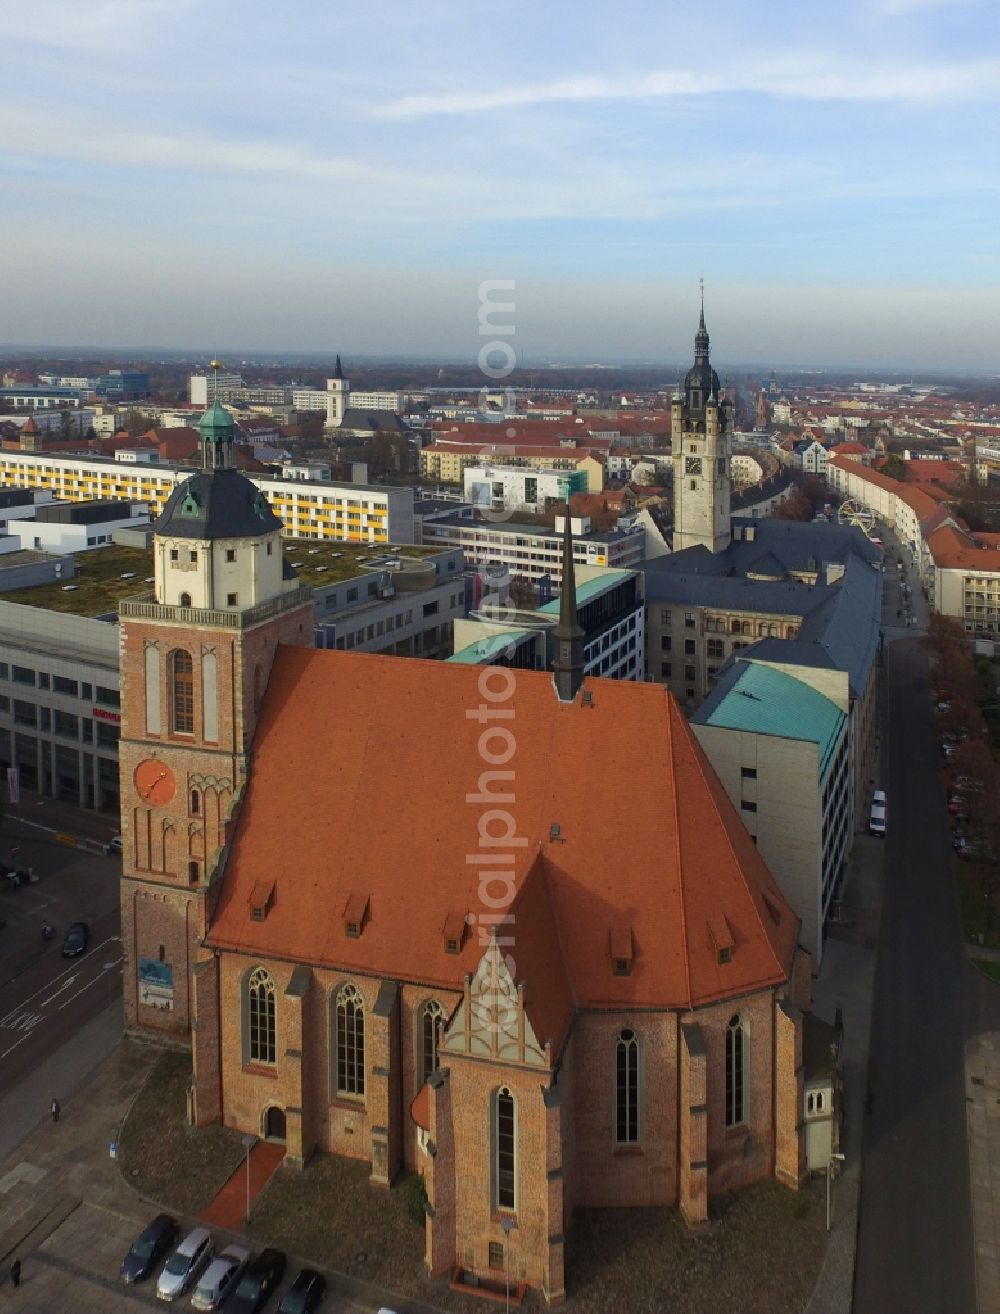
{"x": 185, "y": 1264}
{"x": 220, "y": 1278}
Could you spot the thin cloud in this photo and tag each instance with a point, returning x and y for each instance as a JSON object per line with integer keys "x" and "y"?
{"x": 795, "y": 77}
{"x": 105, "y": 25}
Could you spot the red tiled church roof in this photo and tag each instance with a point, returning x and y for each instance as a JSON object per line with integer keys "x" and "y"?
{"x": 361, "y": 769}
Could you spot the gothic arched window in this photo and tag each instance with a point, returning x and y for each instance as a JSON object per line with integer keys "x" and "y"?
{"x": 350, "y": 1041}
{"x": 627, "y": 1089}
{"x": 430, "y": 1017}
{"x": 261, "y": 1021}
{"x": 736, "y": 1048}
{"x": 504, "y": 1150}
{"x": 181, "y": 692}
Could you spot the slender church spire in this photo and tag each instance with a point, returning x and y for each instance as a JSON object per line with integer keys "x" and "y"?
{"x": 338, "y": 369}
{"x": 569, "y": 668}
{"x": 701, "y": 337}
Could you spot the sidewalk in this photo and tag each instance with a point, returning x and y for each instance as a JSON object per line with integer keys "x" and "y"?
{"x": 847, "y": 981}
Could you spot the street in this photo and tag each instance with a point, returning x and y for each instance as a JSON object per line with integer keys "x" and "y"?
{"x": 45, "y": 998}
{"x": 915, "y": 1249}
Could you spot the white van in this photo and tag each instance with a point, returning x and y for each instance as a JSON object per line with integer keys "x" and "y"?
{"x": 876, "y": 817}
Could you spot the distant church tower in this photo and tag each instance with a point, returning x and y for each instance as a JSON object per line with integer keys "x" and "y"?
{"x": 338, "y": 397}
{"x": 763, "y": 417}
{"x": 700, "y": 427}
{"x": 195, "y": 659}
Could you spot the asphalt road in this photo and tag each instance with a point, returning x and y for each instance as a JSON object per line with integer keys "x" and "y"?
{"x": 45, "y": 998}
{"x": 915, "y": 1239}
{"x": 51, "y": 1001}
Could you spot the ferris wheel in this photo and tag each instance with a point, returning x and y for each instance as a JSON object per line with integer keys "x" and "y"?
{"x": 853, "y": 513}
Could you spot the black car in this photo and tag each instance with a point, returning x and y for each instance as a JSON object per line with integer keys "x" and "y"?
{"x": 305, "y": 1293}
{"x": 75, "y": 941}
{"x": 149, "y": 1248}
{"x": 259, "y": 1279}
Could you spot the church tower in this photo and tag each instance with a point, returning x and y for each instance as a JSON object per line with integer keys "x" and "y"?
{"x": 701, "y": 424}
{"x": 195, "y": 659}
{"x": 338, "y": 397}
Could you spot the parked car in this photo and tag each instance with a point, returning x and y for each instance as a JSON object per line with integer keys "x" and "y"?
{"x": 148, "y": 1249}
{"x": 305, "y": 1293}
{"x": 184, "y": 1265}
{"x": 115, "y": 844}
{"x": 258, "y": 1281}
{"x": 220, "y": 1278}
{"x": 876, "y": 816}
{"x": 76, "y": 940}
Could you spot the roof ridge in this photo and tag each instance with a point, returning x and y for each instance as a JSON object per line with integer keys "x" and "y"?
{"x": 670, "y": 709}
{"x": 701, "y": 759}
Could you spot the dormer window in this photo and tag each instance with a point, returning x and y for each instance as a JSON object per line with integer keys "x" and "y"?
{"x": 621, "y": 949}
{"x": 261, "y": 900}
{"x": 722, "y": 937}
{"x": 453, "y": 932}
{"x": 355, "y": 915}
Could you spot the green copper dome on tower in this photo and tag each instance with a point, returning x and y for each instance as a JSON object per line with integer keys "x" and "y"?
{"x": 216, "y": 428}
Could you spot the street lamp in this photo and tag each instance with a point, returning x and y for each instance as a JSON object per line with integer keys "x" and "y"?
{"x": 829, "y": 1173}
{"x": 507, "y": 1225}
{"x": 248, "y": 1143}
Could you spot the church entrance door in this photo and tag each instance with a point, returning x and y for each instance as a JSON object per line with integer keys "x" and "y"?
{"x": 274, "y": 1124}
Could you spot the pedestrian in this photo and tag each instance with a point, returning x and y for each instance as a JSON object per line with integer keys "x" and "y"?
{"x": 55, "y": 1110}
{"x": 15, "y": 1273}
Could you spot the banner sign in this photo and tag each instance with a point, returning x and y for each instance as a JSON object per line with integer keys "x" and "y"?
{"x": 156, "y": 984}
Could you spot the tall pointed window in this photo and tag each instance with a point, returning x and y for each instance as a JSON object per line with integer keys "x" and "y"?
{"x": 627, "y": 1089}
{"x": 736, "y": 1048}
{"x": 350, "y": 1041}
{"x": 430, "y": 1018}
{"x": 505, "y": 1149}
{"x": 262, "y": 1029}
{"x": 181, "y": 692}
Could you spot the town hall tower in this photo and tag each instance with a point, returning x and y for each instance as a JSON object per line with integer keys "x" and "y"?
{"x": 701, "y": 425}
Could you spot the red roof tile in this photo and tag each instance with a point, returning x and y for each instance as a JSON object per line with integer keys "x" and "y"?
{"x": 365, "y": 762}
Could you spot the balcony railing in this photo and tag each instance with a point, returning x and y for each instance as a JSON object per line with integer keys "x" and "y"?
{"x": 143, "y": 606}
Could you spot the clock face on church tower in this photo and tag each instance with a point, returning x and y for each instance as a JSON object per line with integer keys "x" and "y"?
{"x": 154, "y": 782}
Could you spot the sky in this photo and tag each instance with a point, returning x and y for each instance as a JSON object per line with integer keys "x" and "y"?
{"x": 230, "y": 174}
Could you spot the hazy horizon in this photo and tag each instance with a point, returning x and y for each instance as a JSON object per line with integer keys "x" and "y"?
{"x": 321, "y": 180}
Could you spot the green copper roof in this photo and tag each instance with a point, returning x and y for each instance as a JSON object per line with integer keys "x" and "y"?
{"x": 588, "y": 589}
{"x": 769, "y": 702}
{"x": 216, "y": 424}
{"x": 482, "y": 651}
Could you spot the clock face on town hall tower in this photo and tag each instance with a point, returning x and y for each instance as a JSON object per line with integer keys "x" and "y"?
{"x": 155, "y": 782}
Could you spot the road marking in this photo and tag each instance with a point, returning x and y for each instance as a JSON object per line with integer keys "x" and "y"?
{"x": 93, "y": 981}
{"x": 20, "y": 1020}
{"x": 55, "y": 994}
{"x": 14, "y": 1046}
{"x": 112, "y": 939}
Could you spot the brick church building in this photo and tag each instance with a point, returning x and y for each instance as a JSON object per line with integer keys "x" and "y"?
{"x": 500, "y": 927}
